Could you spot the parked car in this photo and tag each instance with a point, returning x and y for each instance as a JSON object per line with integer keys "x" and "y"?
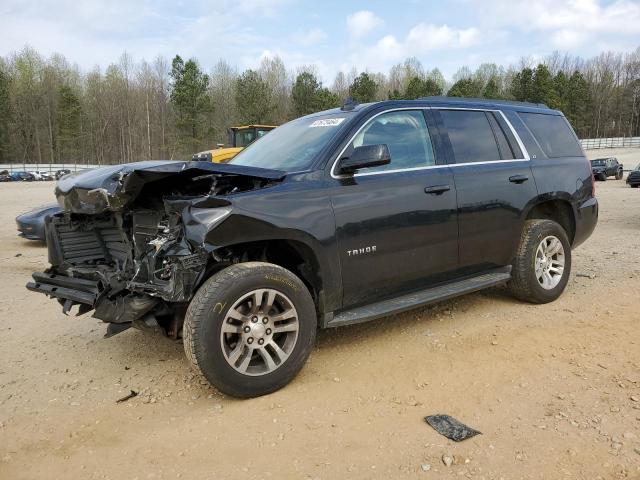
{"x": 633, "y": 179}
{"x": 22, "y": 177}
{"x": 31, "y": 224}
{"x": 41, "y": 175}
{"x": 603, "y": 168}
{"x": 333, "y": 219}
{"x": 62, "y": 172}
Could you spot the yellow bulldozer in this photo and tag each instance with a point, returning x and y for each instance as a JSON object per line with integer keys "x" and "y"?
{"x": 239, "y": 138}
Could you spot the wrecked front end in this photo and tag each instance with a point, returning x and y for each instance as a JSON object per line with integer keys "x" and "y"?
{"x": 131, "y": 243}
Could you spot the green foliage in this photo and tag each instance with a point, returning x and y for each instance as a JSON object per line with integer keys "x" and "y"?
{"x": 309, "y": 96}
{"x": 254, "y": 98}
{"x": 304, "y": 93}
{"x": 492, "y": 89}
{"x": 422, "y": 87}
{"x": 465, "y": 87}
{"x": 68, "y": 121}
{"x": 522, "y": 85}
{"x": 364, "y": 88}
{"x": 190, "y": 99}
{"x": 5, "y": 114}
{"x": 326, "y": 99}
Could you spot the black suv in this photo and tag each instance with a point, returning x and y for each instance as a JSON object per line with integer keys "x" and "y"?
{"x": 604, "y": 168}
{"x": 332, "y": 219}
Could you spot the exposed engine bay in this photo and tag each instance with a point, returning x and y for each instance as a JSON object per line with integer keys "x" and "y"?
{"x": 131, "y": 243}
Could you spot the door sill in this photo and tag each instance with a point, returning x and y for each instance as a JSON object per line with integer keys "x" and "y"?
{"x": 394, "y": 306}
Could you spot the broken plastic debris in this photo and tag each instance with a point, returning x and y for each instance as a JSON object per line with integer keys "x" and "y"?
{"x": 127, "y": 397}
{"x": 450, "y": 427}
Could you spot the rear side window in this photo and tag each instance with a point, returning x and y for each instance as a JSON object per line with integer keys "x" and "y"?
{"x": 471, "y": 135}
{"x": 553, "y": 133}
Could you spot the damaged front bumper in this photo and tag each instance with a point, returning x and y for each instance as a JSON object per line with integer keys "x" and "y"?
{"x": 137, "y": 276}
{"x": 131, "y": 243}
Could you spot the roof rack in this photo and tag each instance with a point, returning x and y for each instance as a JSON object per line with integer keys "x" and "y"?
{"x": 483, "y": 100}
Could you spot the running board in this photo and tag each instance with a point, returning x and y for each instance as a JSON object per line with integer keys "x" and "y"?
{"x": 419, "y": 299}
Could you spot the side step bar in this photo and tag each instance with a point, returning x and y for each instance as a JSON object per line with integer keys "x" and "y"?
{"x": 419, "y": 299}
{"x": 66, "y": 288}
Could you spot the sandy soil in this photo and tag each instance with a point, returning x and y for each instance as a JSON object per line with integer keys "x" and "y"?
{"x": 555, "y": 389}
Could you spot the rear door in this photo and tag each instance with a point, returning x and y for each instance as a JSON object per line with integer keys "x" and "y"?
{"x": 493, "y": 181}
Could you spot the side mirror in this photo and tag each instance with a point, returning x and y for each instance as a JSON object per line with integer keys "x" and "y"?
{"x": 366, "y": 156}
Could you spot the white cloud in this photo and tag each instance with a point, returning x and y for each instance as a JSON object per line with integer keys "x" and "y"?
{"x": 570, "y": 23}
{"x": 420, "y": 40}
{"x": 424, "y": 37}
{"x": 363, "y": 22}
{"x": 310, "y": 38}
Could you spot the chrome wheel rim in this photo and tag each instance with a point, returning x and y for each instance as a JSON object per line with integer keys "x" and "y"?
{"x": 549, "y": 262}
{"x": 259, "y": 332}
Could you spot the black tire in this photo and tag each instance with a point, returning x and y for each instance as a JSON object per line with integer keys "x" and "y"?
{"x": 603, "y": 177}
{"x": 635, "y": 186}
{"x": 524, "y": 284}
{"x": 619, "y": 175}
{"x": 209, "y": 309}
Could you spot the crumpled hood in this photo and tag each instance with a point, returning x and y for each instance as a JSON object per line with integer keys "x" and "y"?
{"x": 114, "y": 187}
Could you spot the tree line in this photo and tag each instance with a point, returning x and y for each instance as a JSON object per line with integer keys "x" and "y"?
{"x": 51, "y": 111}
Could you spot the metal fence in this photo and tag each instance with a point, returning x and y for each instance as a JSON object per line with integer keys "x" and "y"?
{"x": 612, "y": 142}
{"x": 51, "y": 168}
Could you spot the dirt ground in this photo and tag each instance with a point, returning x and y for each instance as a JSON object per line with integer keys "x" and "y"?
{"x": 554, "y": 389}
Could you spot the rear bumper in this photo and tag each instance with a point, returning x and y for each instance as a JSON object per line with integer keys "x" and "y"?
{"x": 586, "y": 221}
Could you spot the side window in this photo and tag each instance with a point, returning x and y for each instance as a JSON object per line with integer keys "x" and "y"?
{"x": 406, "y": 135}
{"x": 471, "y": 136}
{"x": 553, "y": 133}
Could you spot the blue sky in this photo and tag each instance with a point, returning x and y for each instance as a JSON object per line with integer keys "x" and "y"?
{"x": 333, "y": 35}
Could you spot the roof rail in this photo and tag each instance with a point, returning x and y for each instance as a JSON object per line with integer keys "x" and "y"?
{"x": 483, "y": 100}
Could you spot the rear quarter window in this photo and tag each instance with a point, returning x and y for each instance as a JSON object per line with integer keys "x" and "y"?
{"x": 553, "y": 133}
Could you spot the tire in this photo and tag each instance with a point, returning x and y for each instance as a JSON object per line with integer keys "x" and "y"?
{"x": 635, "y": 186}
{"x": 603, "y": 177}
{"x": 619, "y": 175}
{"x": 232, "y": 291}
{"x": 525, "y": 284}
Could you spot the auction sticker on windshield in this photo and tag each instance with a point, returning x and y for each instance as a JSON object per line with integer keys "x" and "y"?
{"x": 327, "y": 122}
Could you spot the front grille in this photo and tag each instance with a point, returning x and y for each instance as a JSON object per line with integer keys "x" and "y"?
{"x": 104, "y": 242}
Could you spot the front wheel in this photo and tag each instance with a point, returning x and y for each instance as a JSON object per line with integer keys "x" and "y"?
{"x": 619, "y": 175}
{"x": 603, "y": 177}
{"x": 250, "y": 328}
{"x": 543, "y": 262}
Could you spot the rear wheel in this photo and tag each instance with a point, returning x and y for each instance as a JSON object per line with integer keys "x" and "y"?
{"x": 543, "y": 263}
{"x": 250, "y": 328}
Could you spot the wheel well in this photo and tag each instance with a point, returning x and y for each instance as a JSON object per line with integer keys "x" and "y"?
{"x": 296, "y": 257}
{"x": 559, "y": 211}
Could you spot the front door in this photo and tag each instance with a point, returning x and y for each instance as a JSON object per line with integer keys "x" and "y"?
{"x": 396, "y": 224}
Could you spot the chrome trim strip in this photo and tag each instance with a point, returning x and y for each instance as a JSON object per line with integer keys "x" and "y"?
{"x": 429, "y": 167}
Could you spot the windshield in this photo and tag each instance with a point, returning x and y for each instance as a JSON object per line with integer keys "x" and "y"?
{"x": 598, "y": 163}
{"x": 293, "y": 146}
